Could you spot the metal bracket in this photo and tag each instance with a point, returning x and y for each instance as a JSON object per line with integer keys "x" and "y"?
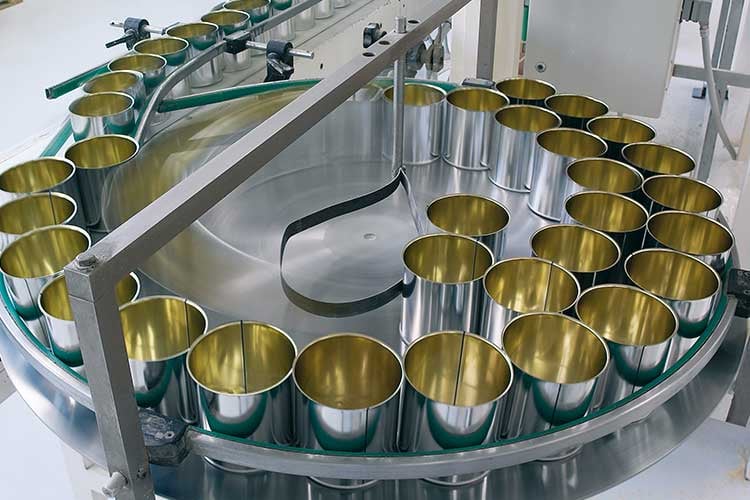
{"x": 738, "y": 285}
{"x": 136, "y": 29}
{"x": 372, "y": 33}
{"x": 478, "y": 82}
{"x": 164, "y": 438}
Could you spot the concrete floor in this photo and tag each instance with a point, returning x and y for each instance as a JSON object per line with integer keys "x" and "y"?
{"x": 708, "y": 465}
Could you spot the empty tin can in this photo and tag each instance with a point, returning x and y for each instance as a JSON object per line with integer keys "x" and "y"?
{"x": 158, "y": 332}
{"x": 174, "y": 50}
{"x": 103, "y": 113}
{"x": 603, "y": 174}
{"x": 244, "y": 375}
{"x": 467, "y": 131}
{"x": 693, "y": 234}
{"x": 513, "y": 144}
{"x": 96, "y": 160}
{"x": 521, "y": 90}
{"x": 152, "y": 67}
{"x": 558, "y": 148}
{"x": 590, "y": 255}
{"x": 423, "y": 120}
{"x": 455, "y": 387}
{"x": 655, "y": 159}
{"x": 58, "y": 317}
{"x": 231, "y": 21}
{"x": 34, "y": 211}
{"x": 126, "y": 81}
{"x": 576, "y": 110}
{"x": 200, "y": 36}
{"x": 442, "y": 285}
{"x": 348, "y": 389}
{"x": 323, "y": 9}
{"x": 41, "y": 175}
{"x": 638, "y": 328}
{"x": 618, "y": 132}
{"x": 673, "y": 192}
{"x": 258, "y": 10}
{"x": 478, "y": 217}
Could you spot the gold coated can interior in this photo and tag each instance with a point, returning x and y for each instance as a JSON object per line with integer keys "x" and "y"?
{"x": 101, "y": 104}
{"x": 528, "y": 284}
{"x": 447, "y": 258}
{"x": 192, "y": 30}
{"x": 621, "y": 129}
{"x": 658, "y": 158}
{"x": 22, "y": 215}
{"x": 525, "y": 88}
{"x": 114, "y": 81}
{"x": 576, "y": 248}
{"x": 457, "y": 369}
{"x": 603, "y": 174}
{"x": 43, "y": 252}
{"x": 36, "y": 175}
{"x": 55, "y": 301}
{"x": 610, "y": 212}
{"x": 477, "y": 99}
{"x": 571, "y": 142}
{"x": 690, "y": 233}
{"x": 417, "y": 94}
{"x": 672, "y": 275}
{"x": 160, "y": 327}
{"x": 137, "y": 62}
{"x": 682, "y": 193}
{"x": 468, "y": 214}
{"x": 242, "y": 358}
{"x": 162, "y": 46}
{"x": 225, "y": 17}
{"x": 555, "y": 348}
{"x": 102, "y": 151}
{"x": 576, "y": 106}
{"x": 527, "y": 118}
{"x": 627, "y": 315}
{"x": 245, "y": 5}
{"x": 348, "y": 371}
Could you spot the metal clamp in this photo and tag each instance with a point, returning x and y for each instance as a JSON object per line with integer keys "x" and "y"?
{"x": 372, "y": 33}
{"x": 738, "y": 285}
{"x": 478, "y": 82}
{"x": 136, "y": 29}
{"x": 279, "y": 58}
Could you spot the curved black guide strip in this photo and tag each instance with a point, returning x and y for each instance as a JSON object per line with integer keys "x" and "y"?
{"x": 355, "y": 307}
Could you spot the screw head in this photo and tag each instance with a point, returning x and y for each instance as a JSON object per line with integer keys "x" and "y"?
{"x": 540, "y": 67}
{"x": 86, "y": 260}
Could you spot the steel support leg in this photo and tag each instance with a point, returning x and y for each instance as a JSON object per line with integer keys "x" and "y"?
{"x": 486, "y": 44}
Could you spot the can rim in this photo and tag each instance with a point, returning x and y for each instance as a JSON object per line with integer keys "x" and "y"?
{"x": 68, "y": 227}
{"x": 619, "y": 164}
{"x": 579, "y": 227}
{"x": 621, "y": 197}
{"x": 646, "y": 144}
{"x": 698, "y": 216}
{"x": 682, "y": 178}
{"x": 477, "y": 196}
{"x": 449, "y": 235}
{"x": 651, "y": 129}
{"x": 43, "y": 194}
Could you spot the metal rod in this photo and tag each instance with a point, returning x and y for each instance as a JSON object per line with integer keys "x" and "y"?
{"x": 723, "y": 77}
{"x": 295, "y": 52}
{"x": 399, "y": 77}
{"x": 486, "y": 42}
{"x": 272, "y": 21}
{"x": 69, "y": 85}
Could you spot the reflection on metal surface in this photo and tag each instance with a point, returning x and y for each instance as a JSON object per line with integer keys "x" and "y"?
{"x": 638, "y": 328}
{"x": 102, "y": 113}
{"x": 54, "y": 303}
{"x": 603, "y": 174}
{"x": 576, "y": 110}
{"x": 692, "y": 234}
{"x": 158, "y": 332}
{"x": 523, "y": 285}
{"x": 672, "y": 192}
{"x": 126, "y": 81}
{"x": 557, "y": 362}
{"x": 174, "y": 50}
{"x": 653, "y": 159}
{"x": 455, "y": 385}
{"x": 34, "y": 211}
{"x": 525, "y": 90}
{"x": 423, "y": 123}
{"x": 231, "y": 21}
{"x": 200, "y": 36}
{"x": 151, "y": 66}
{"x": 619, "y": 131}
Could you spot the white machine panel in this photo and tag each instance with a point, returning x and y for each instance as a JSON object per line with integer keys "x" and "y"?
{"x": 620, "y": 52}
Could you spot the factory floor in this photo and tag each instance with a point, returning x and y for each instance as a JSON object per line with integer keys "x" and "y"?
{"x": 710, "y": 464}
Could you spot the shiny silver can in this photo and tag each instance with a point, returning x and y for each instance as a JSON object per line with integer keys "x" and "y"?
{"x": 104, "y": 113}
{"x": 243, "y": 371}
{"x": 348, "y": 388}
{"x": 470, "y": 113}
{"x": 258, "y": 10}
{"x": 152, "y": 67}
{"x": 54, "y": 303}
{"x": 174, "y": 50}
{"x": 674, "y": 192}
{"x": 523, "y": 285}
{"x": 200, "y": 36}
{"x": 576, "y": 110}
{"x": 478, "y": 217}
{"x": 340, "y": 4}
{"x": 442, "y": 287}
{"x": 603, "y": 174}
{"x": 158, "y": 332}
{"x": 521, "y": 90}
{"x": 590, "y": 255}
{"x": 556, "y": 149}
{"x": 34, "y": 211}
{"x": 456, "y": 384}
{"x": 513, "y": 144}
{"x": 126, "y": 81}
{"x": 44, "y": 174}
{"x": 618, "y": 132}
{"x": 423, "y": 120}
{"x": 693, "y": 234}
{"x": 323, "y": 9}
{"x": 231, "y": 21}
{"x": 657, "y": 159}
{"x": 96, "y": 160}
{"x": 617, "y": 216}
{"x": 691, "y": 288}
{"x": 36, "y": 258}
{"x": 638, "y": 328}
{"x": 557, "y": 362}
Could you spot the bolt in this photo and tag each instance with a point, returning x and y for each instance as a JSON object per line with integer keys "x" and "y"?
{"x": 86, "y": 260}
{"x": 141, "y": 473}
{"x": 169, "y": 434}
{"x": 540, "y": 67}
{"x": 116, "y": 485}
